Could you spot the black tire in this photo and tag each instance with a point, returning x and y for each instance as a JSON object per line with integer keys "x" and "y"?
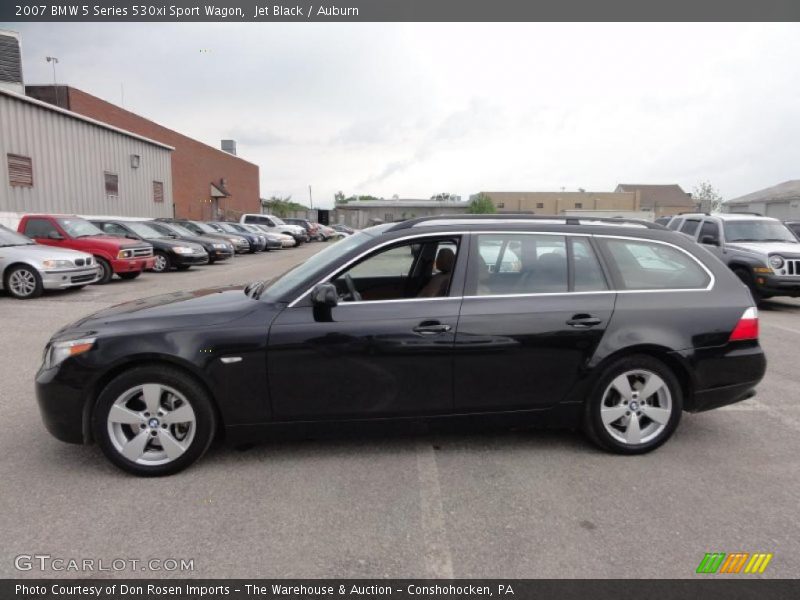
{"x": 194, "y": 393}
{"x": 183, "y": 267}
{"x": 106, "y": 272}
{"x": 129, "y": 275}
{"x": 23, "y": 282}
{"x": 166, "y": 261}
{"x": 211, "y": 261}
{"x": 593, "y": 422}
{"x": 747, "y": 278}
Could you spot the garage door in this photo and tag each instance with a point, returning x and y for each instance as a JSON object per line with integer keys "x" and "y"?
{"x": 778, "y": 210}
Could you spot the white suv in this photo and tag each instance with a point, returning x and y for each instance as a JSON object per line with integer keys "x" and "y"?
{"x": 276, "y": 225}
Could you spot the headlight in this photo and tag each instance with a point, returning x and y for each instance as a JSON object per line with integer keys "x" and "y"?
{"x": 125, "y": 254}
{"x": 776, "y": 262}
{"x": 182, "y": 250}
{"x": 57, "y": 264}
{"x": 221, "y": 246}
{"x": 60, "y": 351}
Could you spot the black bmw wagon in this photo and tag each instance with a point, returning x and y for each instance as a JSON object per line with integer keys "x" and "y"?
{"x": 610, "y": 325}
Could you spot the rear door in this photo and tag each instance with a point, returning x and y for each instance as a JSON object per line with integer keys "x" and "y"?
{"x": 530, "y": 322}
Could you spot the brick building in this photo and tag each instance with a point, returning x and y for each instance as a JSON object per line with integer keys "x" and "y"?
{"x": 207, "y": 183}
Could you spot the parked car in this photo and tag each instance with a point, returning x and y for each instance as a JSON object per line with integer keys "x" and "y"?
{"x": 328, "y": 233}
{"x": 343, "y": 228}
{"x": 762, "y": 251}
{"x": 168, "y": 252}
{"x": 256, "y": 241}
{"x": 275, "y": 224}
{"x": 27, "y": 268}
{"x": 239, "y": 242}
{"x": 216, "y": 248}
{"x": 286, "y": 241}
{"x": 312, "y": 229}
{"x": 618, "y": 328}
{"x": 112, "y": 254}
{"x": 273, "y": 242}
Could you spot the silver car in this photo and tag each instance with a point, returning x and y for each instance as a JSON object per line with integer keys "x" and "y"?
{"x": 28, "y": 268}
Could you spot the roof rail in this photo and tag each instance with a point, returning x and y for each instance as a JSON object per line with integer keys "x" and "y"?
{"x": 694, "y": 212}
{"x": 744, "y": 212}
{"x": 568, "y": 220}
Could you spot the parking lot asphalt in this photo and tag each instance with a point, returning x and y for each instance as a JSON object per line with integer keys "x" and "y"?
{"x": 495, "y": 504}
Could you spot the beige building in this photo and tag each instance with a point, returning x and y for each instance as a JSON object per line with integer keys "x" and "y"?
{"x": 554, "y": 203}
{"x": 662, "y": 200}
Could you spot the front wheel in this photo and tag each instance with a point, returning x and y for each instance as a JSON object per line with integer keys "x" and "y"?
{"x": 635, "y": 406}
{"x": 153, "y": 420}
{"x": 161, "y": 262}
{"x": 129, "y": 275}
{"x": 106, "y": 272}
{"x": 24, "y": 282}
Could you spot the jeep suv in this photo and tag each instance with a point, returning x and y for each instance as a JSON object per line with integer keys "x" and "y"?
{"x": 762, "y": 251}
{"x": 113, "y": 254}
{"x": 503, "y": 320}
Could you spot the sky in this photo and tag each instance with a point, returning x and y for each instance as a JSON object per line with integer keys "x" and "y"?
{"x": 419, "y": 109}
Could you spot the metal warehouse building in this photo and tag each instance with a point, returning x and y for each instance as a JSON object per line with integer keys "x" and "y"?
{"x": 56, "y": 161}
{"x": 781, "y": 201}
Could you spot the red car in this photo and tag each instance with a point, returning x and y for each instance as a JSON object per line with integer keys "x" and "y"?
{"x": 125, "y": 257}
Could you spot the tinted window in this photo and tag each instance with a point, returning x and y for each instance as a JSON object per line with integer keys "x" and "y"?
{"x": 643, "y": 265}
{"x": 675, "y": 223}
{"x": 588, "y": 275}
{"x": 39, "y": 228}
{"x": 690, "y": 226}
{"x": 395, "y": 262}
{"x": 112, "y": 229}
{"x": 709, "y": 229}
{"x": 520, "y": 264}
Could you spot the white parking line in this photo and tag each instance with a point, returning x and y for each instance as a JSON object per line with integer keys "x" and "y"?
{"x": 438, "y": 561}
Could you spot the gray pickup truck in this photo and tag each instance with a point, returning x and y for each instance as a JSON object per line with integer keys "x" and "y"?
{"x": 762, "y": 251}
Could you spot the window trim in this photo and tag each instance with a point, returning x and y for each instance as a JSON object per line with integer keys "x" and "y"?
{"x": 105, "y": 184}
{"x": 466, "y": 241}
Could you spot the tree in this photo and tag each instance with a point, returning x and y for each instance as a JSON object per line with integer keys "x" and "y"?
{"x": 481, "y": 205}
{"x": 707, "y": 197}
{"x": 282, "y": 207}
{"x": 338, "y": 197}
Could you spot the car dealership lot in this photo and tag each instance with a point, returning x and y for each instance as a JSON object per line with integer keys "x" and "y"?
{"x": 502, "y": 504}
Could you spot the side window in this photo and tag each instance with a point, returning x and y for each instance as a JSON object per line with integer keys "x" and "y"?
{"x": 114, "y": 229}
{"x": 674, "y": 223}
{"x": 709, "y": 232}
{"x": 587, "y": 273}
{"x": 690, "y": 227}
{"x": 643, "y": 265}
{"x": 39, "y": 228}
{"x": 519, "y": 264}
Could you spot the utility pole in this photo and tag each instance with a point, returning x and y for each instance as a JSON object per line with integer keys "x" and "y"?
{"x": 310, "y": 199}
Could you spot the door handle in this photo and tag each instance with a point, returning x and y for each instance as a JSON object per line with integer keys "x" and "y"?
{"x": 431, "y": 328}
{"x": 583, "y": 320}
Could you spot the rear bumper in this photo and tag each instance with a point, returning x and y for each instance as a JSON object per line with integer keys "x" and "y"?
{"x": 58, "y": 280}
{"x": 130, "y": 265}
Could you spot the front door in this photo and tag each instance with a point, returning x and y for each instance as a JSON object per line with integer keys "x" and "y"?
{"x": 534, "y": 310}
{"x": 384, "y": 350}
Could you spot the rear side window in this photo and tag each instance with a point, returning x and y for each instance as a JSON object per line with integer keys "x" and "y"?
{"x": 586, "y": 271}
{"x": 39, "y": 228}
{"x": 690, "y": 226}
{"x": 643, "y": 265}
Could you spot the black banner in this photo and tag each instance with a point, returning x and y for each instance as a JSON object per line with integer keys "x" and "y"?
{"x": 709, "y": 588}
{"x": 400, "y": 10}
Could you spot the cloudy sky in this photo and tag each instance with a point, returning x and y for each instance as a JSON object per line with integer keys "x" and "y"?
{"x": 416, "y": 109}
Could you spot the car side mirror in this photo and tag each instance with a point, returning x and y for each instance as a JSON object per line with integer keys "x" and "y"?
{"x": 54, "y": 235}
{"x": 325, "y": 294}
{"x": 709, "y": 240}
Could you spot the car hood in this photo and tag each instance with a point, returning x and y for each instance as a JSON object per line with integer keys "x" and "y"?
{"x": 43, "y": 252}
{"x": 176, "y": 310}
{"x": 112, "y": 241}
{"x": 765, "y": 248}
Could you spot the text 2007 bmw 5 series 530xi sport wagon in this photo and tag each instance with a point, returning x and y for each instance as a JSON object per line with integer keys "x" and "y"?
{"x": 615, "y": 326}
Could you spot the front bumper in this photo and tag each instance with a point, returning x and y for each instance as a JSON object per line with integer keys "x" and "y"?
{"x": 274, "y": 245}
{"x": 66, "y": 278}
{"x": 189, "y": 259}
{"x": 129, "y": 265}
{"x": 776, "y": 285}
{"x": 61, "y": 404}
{"x": 220, "y": 253}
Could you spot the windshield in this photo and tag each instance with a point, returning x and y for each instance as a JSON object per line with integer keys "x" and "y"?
{"x": 204, "y": 227}
{"x": 283, "y": 283}
{"x": 758, "y": 231}
{"x": 79, "y": 228}
{"x": 12, "y": 238}
{"x": 228, "y": 227}
{"x": 144, "y": 230}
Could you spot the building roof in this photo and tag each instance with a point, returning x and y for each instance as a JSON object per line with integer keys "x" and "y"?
{"x": 79, "y": 117}
{"x": 788, "y": 190}
{"x": 653, "y": 195}
{"x": 406, "y": 203}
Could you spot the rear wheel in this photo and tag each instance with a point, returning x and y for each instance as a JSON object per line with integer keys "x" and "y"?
{"x": 130, "y": 275}
{"x": 161, "y": 262}
{"x": 23, "y": 282}
{"x": 106, "y": 272}
{"x": 153, "y": 421}
{"x": 635, "y": 407}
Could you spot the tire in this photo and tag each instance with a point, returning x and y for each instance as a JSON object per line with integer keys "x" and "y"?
{"x": 747, "y": 278}
{"x": 106, "y": 271}
{"x": 656, "y": 416}
{"x": 183, "y": 267}
{"x": 146, "y": 443}
{"x": 162, "y": 262}
{"x": 23, "y": 282}
{"x": 129, "y": 275}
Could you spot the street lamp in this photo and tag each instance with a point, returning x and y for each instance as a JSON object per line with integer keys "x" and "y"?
{"x": 54, "y": 61}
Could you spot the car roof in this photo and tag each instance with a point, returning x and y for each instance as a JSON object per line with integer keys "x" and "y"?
{"x": 731, "y": 216}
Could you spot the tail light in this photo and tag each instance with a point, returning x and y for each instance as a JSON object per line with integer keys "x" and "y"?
{"x": 747, "y": 327}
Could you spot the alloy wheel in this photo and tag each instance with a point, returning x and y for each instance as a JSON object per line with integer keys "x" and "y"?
{"x": 22, "y": 283}
{"x": 637, "y": 406}
{"x": 160, "y": 264}
{"x": 151, "y": 424}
